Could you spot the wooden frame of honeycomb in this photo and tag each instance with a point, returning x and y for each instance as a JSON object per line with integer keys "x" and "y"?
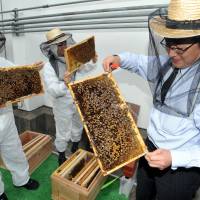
{"x": 79, "y": 54}
{"x": 109, "y": 125}
{"x": 18, "y": 83}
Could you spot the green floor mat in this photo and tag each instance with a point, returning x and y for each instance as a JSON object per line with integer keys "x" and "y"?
{"x": 42, "y": 174}
{"x": 111, "y": 192}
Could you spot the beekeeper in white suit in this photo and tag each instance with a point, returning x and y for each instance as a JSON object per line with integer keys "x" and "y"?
{"x": 10, "y": 145}
{"x": 67, "y": 120}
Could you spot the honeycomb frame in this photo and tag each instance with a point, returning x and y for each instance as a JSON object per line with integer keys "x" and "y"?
{"x": 121, "y": 147}
{"x": 74, "y": 55}
{"x": 13, "y": 78}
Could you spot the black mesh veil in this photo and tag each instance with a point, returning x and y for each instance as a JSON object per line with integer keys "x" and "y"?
{"x": 46, "y": 47}
{"x": 49, "y": 49}
{"x": 2, "y": 40}
{"x": 184, "y": 93}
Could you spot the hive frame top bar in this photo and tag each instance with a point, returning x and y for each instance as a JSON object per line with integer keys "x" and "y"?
{"x": 25, "y": 67}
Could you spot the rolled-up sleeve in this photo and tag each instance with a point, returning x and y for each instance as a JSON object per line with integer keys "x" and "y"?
{"x": 134, "y": 63}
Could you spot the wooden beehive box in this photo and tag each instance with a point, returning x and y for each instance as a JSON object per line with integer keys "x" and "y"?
{"x": 78, "y": 178}
{"x": 79, "y": 54}
{"x": 18, "y": 83}
{"x": 37, "y": 147}
{"x": 112, "y": 132}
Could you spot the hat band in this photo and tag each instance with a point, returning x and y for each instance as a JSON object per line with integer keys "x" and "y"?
{"x": 186, "y": 25}
{"x": 57, "y": 37}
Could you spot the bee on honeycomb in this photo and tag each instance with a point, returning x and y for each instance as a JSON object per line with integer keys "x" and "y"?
{"x": 84, "y": 52}
{"x": 110, "y": 126}
{"x": 80, "y": 53}
{"x": 19, "y": 82}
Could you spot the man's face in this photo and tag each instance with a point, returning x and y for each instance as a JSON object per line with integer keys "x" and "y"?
{"x": 187, "y": 58}
{"x": 183, "y": 55}
{"x": 61, "y": 46}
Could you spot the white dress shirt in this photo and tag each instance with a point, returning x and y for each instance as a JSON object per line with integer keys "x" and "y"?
{"x": 180, "y": 135}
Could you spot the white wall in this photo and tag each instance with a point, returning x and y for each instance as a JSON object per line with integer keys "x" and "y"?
{"x": 24, "y": 49}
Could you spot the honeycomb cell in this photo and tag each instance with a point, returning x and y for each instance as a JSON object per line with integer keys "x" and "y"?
{"x": 18, "y": 82}
{"x": 80, "y": 53}
{"x": 109, "y": 124}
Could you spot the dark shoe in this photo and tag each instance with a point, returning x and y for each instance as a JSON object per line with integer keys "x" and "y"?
{"x": 30, "y": 185}
{"x": 3, "y": 197}
{"x": 61, "y": 158}
{"x": 88, "y": 146}
{"x": 74, "y": 147}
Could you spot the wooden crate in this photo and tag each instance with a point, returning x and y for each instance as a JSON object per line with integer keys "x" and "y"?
{"x": 79, "y": 54}
{"x": 37, "y": 147}
{"x": 79, "y": 178}
{"x": 110, "y": 127}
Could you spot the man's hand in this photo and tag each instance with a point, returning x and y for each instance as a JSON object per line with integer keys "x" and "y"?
{"x": 109, "y": 61}
{"x": 39, "y": 64}
{"x": 160, "y": 158}
{"x": 67, "y": 78}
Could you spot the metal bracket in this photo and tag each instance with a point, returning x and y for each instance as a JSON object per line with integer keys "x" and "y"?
{"x": 16, "y": 27}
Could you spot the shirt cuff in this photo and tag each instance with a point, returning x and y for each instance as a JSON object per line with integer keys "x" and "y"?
{"x": 179, "y": 159}
{"x": 122, "y": 57}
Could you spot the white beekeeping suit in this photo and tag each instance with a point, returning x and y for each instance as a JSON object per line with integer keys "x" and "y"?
{"x": 67, "y": 120}
{"x": 11, "y": 148}
{"x": 68, "y": 124}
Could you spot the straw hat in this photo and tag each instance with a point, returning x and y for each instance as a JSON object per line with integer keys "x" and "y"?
{"x": 183, "y": 20}
{"x": 56, "y": 36}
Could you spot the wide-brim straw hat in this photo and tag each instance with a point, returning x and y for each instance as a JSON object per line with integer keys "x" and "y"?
{"x": 181, "y": 21}
{"x": 56, "y": 36}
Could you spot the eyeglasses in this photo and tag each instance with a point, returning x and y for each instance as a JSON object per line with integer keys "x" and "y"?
{"x": 62, "y": 44}
{"x": 178, "y": 50}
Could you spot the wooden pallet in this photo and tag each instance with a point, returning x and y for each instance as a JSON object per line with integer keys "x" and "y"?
{"x": 37, "y": 147}
{"x": 79, "y": 178}
{"x": 110, "y": 147}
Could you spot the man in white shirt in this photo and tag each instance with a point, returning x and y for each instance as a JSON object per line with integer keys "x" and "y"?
{"x": 171, "y": 169}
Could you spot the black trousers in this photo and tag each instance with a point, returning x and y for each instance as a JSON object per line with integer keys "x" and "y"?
{"x": 152, "y": 183}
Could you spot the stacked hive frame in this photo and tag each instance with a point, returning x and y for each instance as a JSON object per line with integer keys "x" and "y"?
{"x": 37, "y": 147}
{"x": 80, "y": 54}
{"x": 109, "y": 125}
{"x": 18, "y": 83}
{"x": 78, "y": 178}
